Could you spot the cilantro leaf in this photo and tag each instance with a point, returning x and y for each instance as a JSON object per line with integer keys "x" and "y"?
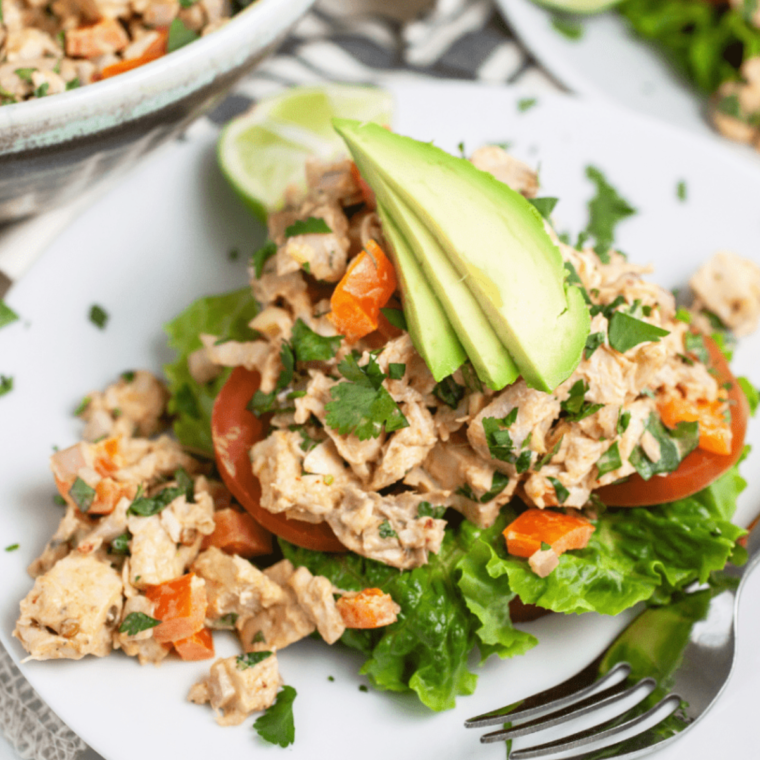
{"x": 626, "y": 332}
{"x": 546, "y": 458}
{"x": 7, "y": 315}
{"x": 25, "y": 74}
{"x": 573, "y": 278}
{"x": 624, "y": 419}
{"x": 310, "y": 226}
{"x": 683, "y": 315}
{"x": 561, "y": 492}
{"x": 386, "y": 530}
{"x": 261, "y": 257}
{"x": 98, "y": 316}
{"x": 276, "y": 725}
{"x": 147, "y": 507}
{"x": 609, "y": 461}
{"x": 309, "y": 346}
{"x": 544, "y": 206}
{"x": 500, "y": 443}
{"x": 395, "y": 317}
{"x": 136, "y": 622}
{"x": 674, "y": 446}
{"x": 6, "y": 384}
{"x": 288, "y": 359}
{"x": 250, "y": 659}
{"x": 396, "y": 370}
{"x": 681, "y": 192}
{"x": 449, "y": 391}
{"x": 575, "y": 405}
{"x": 120, "y": 544}
{"x": 606, "y": 209}
{"x": 593, "y": 341}
{"x": 499, "y": 482}
{"x": 525, "y": 104}
{"x": 179, "y": 36}
{"x": 82, "y": 494}
{"x": 695, "y": 344}
{"x": 426, "y": 509}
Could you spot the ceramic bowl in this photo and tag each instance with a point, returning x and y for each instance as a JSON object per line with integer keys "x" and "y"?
{"x": 53, "y": 148}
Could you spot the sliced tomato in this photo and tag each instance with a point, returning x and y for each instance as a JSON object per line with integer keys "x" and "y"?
{"x": 234, "y": 430}
{"x": 698, "y": 469}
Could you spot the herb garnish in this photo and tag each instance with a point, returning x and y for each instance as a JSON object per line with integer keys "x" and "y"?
{"x": 674, "y": 446}
{"x": 312, "y": 225}
{"x": 309, "y": 346}
{"x": 561, "y": 492}
{"x": 6, "y": 384}
{"x": 82, "y": 494}
{"x": 499, "y": 482}
{"x": 525, "y": 104}
{"x": 695, "y": 344}
{"x": 136, "y": 622}
{"x": 362, "y": 406}
{"x": 7, "y": 315}
{"x": 12, "y": 547}
{"x": 426, "y": 509}
{"x": 626, "y": 331}
{"x": 120, "y": 544}
{"x": 593, "y": 341}
{"x": 98, "y": 316}
{"x": 276, "y": 725}
{"x": 386, "y": 530}
{"x": 144, "y": 506}
{"x": 179, "y": 36}
{"x": 609, "y": 461}
{"x": 575, "y": 405}
{"x": 544, "y": 206}
{"x": 449, "y": 391}
{"x": 261, "y": 257}
{"x": 251, "y": 659}
{"x": 681, "y": 192}
{"x": 395, "y": 317}
{"x": 624, "y": 419}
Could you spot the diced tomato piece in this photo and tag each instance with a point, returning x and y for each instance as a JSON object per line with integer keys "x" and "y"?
{"x": 199, "y": 646}
{"x": 365, "y": 288}
{"x": 714, "y": 428}
{"x": 180, "y": 605}
{"x": 108, "y": 493}
{"x": 371, "y": 608}
{"x": 106, "y": 456}
{"x": 536, "y": 526}
{"x": 238, "y": 533}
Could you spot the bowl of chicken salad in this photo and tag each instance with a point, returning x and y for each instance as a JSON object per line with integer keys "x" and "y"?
{"x": 376, "y": 450}
{"x": 87, "y": 88}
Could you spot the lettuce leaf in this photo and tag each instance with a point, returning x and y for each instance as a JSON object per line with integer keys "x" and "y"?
{"x": 226, "y": 316}
{"x": 460, "y": 599}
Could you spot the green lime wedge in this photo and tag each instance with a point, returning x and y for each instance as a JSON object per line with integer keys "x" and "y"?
{"x": 263, "y": 152}
{"x": 579, "y": 6}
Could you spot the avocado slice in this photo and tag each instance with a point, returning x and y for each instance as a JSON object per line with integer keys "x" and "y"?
{"x": 494, "y": 239}
{"x": 489, "y": 357}
{"x": 429, "y": 327}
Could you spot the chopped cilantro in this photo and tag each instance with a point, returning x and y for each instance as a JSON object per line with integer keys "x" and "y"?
{"x": 546, "y": 458}
{"x": 730, "y": 106}
{"x": 136, "y": 622}
{"x": 683, "y": 315}
{"x": 251, "y": 659}
{"x": 312, "y": 225}
{"x": 7, "y": 315}
{"x": 276, "y": 725}
{"x": 6, "y": 384}
{"x": 544, "y": 206}
{"x": 261, "y": 257}
{"x": 575, "y": 405}
{"x": 42, "y": 90}
{"x": 574, "y": 279}
{"x": 363, "y": 687}
{"x": 499, "y": 482}
{"x": 567, "y": 27}
{"x": 624, "y": 420}
{"x": 144, "y": 506}
{"x": 386, "y": 530}
{"x": 228, "y": 620}
{"x": 307, "y": 442}
{"x": 525, "y": 104}
{"x": 681, "y": 192}
{"x": 395, "y": 317}
{"x": 59, "y": 500}
{"x": 561, "y": 492}
{"x": 185, "y": 483}
{"x": 179, "y": 36}
{"x": 674, "y": 446}
{"x": 128, "y": 376}
{"x": 98, "y": 316}
{"x": 187, "y": 3}
{"x": 426, "y": 509}
{"x": 233, "y": 254}
{"x": 460, "y": 147}
{"x": 593, "y": 341}
{"x": 609, "y": 461}
{"x": 82, "y": 406}
{"x": 626, "y": 332}
{"x": 695, "y": 344}
{"x": 120, "y": 544}
{"x": 82, "y": 494}
{"x": 12, "y": 548}
{"x": 606, "y": 209}
{"x": 73, "y": 84}
{"x": 362, "y": 406}
{"x": 752, "y": 394}
{"x": 25, "y": 74}
{"x": 259, "y": 638}
{"x": 396, "y": 371}
{"x": 330, "y": 679}
{"x": 449, "y": 391}
{"x": 309, "y": 346}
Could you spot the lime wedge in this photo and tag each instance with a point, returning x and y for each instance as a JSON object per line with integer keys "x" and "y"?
{"x": 578, "y": 6}
{"x": 263, "y": 152}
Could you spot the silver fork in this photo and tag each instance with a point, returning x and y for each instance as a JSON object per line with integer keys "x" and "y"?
{"x": 676, "y": 660}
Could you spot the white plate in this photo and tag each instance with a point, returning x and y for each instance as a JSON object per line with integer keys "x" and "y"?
{"x": 611, "y": 63}
{"x": 160, "y": 240}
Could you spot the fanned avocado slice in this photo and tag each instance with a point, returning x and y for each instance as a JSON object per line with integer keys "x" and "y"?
{"x": 496, "y": 242}
{"x": 429, "y": 327}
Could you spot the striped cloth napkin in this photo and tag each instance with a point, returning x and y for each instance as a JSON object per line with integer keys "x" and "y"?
{"x": 340, "y": 40}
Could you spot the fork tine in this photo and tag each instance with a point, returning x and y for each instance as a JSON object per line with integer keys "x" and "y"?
{"x": 598, "y": 734}
{"x": 574, "y": 689}
{"x": 614, "y": 694}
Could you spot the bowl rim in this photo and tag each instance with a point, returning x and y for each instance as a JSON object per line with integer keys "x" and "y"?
{"x": 106, "y": 104}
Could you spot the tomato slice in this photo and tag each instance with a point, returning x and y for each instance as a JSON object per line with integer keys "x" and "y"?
{"x": 234, "y": 430}
{"x": 698, "y": 469}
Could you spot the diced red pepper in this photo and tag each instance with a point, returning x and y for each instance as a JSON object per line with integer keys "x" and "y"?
{"x": 536, "y": 526}
{"x": 371, "y": 608}
{"x": 365, "y": 288}
{"x": 714, "y": 428}
{"x": 238, "y": 533}
{"x": 199, "y": 646}
{"x": 180, "y": 605}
